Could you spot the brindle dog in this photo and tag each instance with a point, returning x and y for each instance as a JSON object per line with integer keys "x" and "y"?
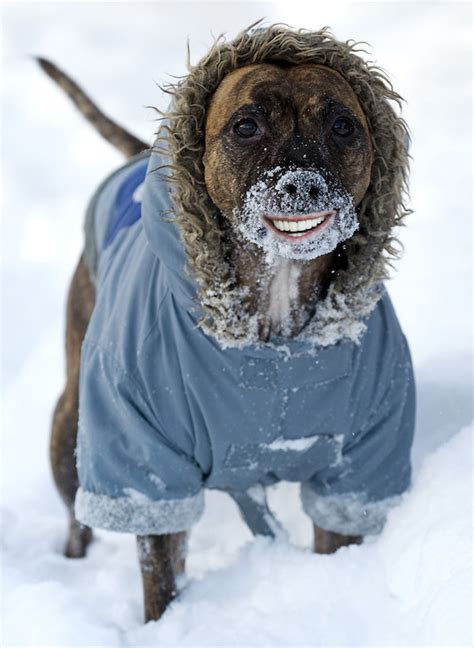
{"x": 305, "y": 112}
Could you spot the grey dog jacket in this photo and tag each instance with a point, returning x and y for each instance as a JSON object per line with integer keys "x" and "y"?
{"x": 166, "y": 412}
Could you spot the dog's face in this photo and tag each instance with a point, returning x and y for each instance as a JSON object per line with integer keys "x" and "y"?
{"x": 288, "y": 157}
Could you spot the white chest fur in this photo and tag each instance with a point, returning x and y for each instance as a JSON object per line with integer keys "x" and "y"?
{"x": 283, "y": 293}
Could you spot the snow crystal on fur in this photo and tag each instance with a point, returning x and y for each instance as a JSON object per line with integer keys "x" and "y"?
{"x": 265, "y": 198}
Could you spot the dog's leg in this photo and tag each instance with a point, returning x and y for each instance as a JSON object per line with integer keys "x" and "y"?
{"x": 162, "y": 559}
{"x": 327, "y": 542}
{"x": 64, "y": 430}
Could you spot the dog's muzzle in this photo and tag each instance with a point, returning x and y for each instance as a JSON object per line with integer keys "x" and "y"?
{"x": 297, "y": 213}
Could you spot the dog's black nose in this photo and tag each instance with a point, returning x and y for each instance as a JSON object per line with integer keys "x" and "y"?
{"x": 304, "y": 192}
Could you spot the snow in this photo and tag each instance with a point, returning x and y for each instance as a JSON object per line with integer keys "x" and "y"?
{"x": 293, "y": 444}
{"x": 410, "y": 586}
{"x": 159, "y": 483}
{"x": 388, "y": 592}
{"x": 257, "y": 494}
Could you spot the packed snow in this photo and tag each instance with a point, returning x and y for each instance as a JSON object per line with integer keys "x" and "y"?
{"x": 409, "y": 586}
{"x": 293, "y": 444}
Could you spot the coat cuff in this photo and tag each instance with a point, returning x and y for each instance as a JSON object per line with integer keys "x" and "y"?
{"x": 348, "y": 513}
{"x": 137, "y": 513}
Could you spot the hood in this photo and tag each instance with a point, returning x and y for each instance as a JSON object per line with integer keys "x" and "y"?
{"x": 206, "y": 235}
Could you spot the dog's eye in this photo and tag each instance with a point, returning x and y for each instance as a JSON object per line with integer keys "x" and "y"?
{"x": 343, "y": 127}
{"x": 246, "y": 127}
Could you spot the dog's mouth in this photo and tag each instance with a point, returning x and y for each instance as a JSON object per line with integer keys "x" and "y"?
{"x": 296, "y": 228}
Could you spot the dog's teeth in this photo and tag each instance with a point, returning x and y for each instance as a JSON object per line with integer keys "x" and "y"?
{"x": 295, "y": 227}
{"x": 282, "y": 225}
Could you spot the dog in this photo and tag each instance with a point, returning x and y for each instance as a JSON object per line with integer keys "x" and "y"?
{"x": 227, "y": 324}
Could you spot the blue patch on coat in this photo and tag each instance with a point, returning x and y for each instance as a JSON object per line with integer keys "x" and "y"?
{"x": 127, "y": 208}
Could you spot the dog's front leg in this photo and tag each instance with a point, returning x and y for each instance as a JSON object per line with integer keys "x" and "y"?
{"x": 162, "y": 559}
{"x": 327, "y": 542}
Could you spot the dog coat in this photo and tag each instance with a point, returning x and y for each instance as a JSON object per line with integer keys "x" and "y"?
{"x": 166, "y": 412}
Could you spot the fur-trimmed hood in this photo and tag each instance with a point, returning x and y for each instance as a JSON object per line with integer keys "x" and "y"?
{"x": 205, "y": 233}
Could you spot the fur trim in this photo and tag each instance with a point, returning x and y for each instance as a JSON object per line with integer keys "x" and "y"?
{"x": 348, "y": 513}
{"x": 138, "y": 514}
{"x": 205, "y": 233}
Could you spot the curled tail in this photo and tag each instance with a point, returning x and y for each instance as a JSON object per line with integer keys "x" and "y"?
{"x": 124, "y": 141}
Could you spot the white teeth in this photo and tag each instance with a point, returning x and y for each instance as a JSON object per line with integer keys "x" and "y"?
{"x": 297, "y": 226}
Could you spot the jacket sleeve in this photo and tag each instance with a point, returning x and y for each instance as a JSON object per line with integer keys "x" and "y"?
{"x": 132, "y": 477}
{"x": 353, "y": 496}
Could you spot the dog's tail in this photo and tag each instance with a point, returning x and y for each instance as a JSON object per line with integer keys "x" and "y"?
{"x": 124, "y": 141}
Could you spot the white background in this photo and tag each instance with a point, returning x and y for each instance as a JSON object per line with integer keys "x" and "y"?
{"x": 51, "y": 163}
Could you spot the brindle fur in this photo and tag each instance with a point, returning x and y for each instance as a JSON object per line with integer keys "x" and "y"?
{"x": 162, "y": 559}
{"x": 294, "y": 90}
{"x": 80, "y": 304}
{"x": 327, "y": 542}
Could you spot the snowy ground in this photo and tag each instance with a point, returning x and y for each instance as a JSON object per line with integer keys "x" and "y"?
{"x": 410, "y": 586}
